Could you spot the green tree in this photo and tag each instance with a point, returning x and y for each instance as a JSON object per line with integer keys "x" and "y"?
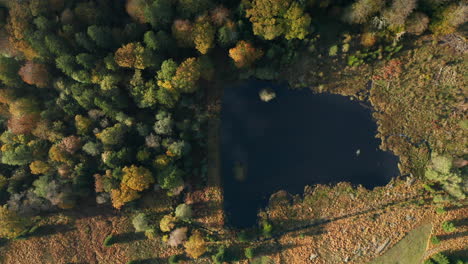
{"x": 102, "y": 36}
{"x": 17, "y": 155}
{"x": 86, "y": 60}
{"x": 151, "y": 41}
{"x": 66, "y": 64}
{"x": 9, "y": 68}
{"x": 112, "y": 135}
{"x": 274, "y": 18}
{"x": 170, "y": 177}
{"x": 189, "y": 8}
{"x": 56, "y": 45}
{"x": 159, "y": 13}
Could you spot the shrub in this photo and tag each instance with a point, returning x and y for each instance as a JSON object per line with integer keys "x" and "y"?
{"x": 333, "y": 51}
{"x": 184, "y": 212}
{"x": 267, "y": 228}
{"x": 220, "y": 255}
{"x": 175, "y": 259}
{"x": 435, "y": 240}
{"x": 448, "y": 227}
{"x": 109, "y": 241}
{"x": 249, "y": 253}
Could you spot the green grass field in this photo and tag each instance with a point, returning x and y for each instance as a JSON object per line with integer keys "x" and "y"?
{"x": 409, "y": 250}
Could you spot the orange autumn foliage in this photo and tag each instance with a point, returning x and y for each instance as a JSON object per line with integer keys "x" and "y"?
{"x": 34, "y": 74}
{"x": 245, "y": 54}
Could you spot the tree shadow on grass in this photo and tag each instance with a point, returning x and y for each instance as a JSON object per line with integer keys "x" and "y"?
{"x": 150, "y": 261}
{"x": 48, "y": 230}
{"x": 128, "y": 237}
{"x": 453, "y": 235}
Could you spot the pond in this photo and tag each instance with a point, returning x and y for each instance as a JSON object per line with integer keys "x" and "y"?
{"x": 296, "y": 139}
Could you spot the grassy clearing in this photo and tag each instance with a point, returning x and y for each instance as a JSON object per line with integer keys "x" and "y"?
{"x": 409, "y": 250}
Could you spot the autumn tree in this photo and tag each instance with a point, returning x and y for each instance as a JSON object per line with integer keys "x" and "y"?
{"x": 274, "y": 18}
{"x": 39, "y": 167}
{"x": 361, "y": 10}
{"x": 34, "y": 74}
{"x": 136, "y": 10}
{"x": 24, "y": 115}
{"x": 187, "y": 75}
{"x": 19, "y": 23}
{"x": 182, "y": 31}
{"x": 123, "y": 195}
{"x": 220, "y": 15}
{"x": 244, "y": 54}
{"x": 137, "y": 178}
{"x": 130, "y": 55}
{"x": 396, "y": 15}
{"x": 204, "y": 34}
{"x": 417, "y": 23}
{"x": 196, "y": 245}
{"x": 450, "y": 18}
{"x": 71, "y": 144}
{"x": 11, "y": 224}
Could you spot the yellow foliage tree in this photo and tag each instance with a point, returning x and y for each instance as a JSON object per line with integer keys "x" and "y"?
{"x": 130, "y": 55}
{"x": 39, "y": 167}
{"x": 187, "y": 76}
{"x": 137, "y": 178}
{"x": 11, "y": 224}
{"x": 123, "y": 195}
{"x": 196, "y": 245}
{"x": 56, "y": 153}
{"x": 244, "y": 54}
{"x": 204, "y": 34}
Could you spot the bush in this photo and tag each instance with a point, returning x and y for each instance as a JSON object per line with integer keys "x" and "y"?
{"x": 267, "y": 228}
{"x": 220, "y": 255}
{"x": 435, "y": 240}
{"x": 109, "y": 241}
{"x": 174, "y": 259}
{"x": 249, "y": 253}
{"x": 448, "y": 227}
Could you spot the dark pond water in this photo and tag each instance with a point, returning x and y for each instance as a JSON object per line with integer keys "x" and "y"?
{"x": 297, "y": 139}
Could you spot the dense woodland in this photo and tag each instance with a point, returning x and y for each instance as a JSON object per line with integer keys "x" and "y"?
{"x": 106, "y": 99}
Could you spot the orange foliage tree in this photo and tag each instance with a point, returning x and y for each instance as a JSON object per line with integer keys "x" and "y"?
{"x": 130, "y": 55}
{"x": 244, "y": 54}
{"x": 34, "y": 74}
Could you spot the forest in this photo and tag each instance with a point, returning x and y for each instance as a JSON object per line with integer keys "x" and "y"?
{"x": 104, "y": 102}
